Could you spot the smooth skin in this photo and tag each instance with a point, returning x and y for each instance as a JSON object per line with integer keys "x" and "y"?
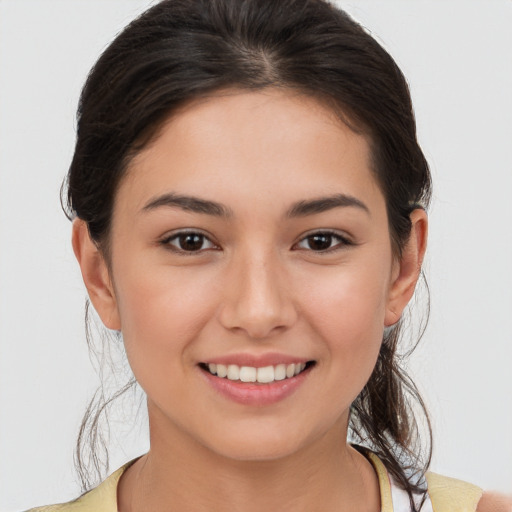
{"x": 252, "y": 280}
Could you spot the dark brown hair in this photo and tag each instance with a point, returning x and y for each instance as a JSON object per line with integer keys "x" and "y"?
{"x": 180, "y": 50}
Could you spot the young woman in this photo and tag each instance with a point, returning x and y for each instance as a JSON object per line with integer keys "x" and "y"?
{"x": 249, "y": 202}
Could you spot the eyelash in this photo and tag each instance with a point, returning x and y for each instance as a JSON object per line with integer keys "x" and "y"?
{"x": 343, "y": 242}
{"x": 176, "y": 236}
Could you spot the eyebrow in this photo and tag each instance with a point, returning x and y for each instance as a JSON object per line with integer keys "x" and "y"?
{"x": 189, "y": 203}
{"x": 299, "y": 209}
{"x": 323, "y": 204}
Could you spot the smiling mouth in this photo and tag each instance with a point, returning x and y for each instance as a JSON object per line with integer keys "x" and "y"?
{"x": 263, "y": 375}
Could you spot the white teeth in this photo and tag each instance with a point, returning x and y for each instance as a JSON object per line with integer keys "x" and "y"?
{"x": 265, "y": 374}
{"x": 262, "y": 375}
{"x": 222, "y": 370}
{"x": 233, "y": 372}
{"x": 280, "y": 372}
{"x": 248, "y": 374}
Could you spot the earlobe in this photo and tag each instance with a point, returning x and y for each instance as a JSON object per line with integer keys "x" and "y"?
{"x": 95, "y": 275}
{"x": 408, "y": 269}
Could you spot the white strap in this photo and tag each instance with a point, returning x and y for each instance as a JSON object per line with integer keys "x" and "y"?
{"x": 401, "y": 501}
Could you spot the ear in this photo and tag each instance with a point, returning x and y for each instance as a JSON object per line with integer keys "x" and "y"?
{"x": 406, "y": 271}
{"x": 95, "y": 275}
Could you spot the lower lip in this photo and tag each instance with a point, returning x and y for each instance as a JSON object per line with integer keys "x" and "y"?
{"x": 250, "y": 393}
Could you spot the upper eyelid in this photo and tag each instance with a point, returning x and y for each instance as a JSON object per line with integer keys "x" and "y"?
{"x": 183, "y": 231}
{"x": 344, "y": 241}
{"x": 168, "y": 237}
{"x": 333, "y": 232}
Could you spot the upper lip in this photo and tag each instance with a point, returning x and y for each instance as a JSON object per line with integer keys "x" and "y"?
{"x": 256, "y": 360}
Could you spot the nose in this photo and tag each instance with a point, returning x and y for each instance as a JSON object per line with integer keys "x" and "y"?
{"x": 257, "y": 298}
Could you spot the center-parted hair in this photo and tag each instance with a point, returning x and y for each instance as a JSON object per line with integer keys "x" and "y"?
{"x": 181, "y": 50}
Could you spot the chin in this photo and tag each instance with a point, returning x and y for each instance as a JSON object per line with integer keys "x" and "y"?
{"x": 257, "y": 452}
{"x": 260, "y": 443}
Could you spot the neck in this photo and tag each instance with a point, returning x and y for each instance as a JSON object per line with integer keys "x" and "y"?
{"x": 191, "y": 477}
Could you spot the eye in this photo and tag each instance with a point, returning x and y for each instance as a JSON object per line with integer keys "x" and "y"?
{"x": 323, "y": 241}
{"x": 188, "y": 241}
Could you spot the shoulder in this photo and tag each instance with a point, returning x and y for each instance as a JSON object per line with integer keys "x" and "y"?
{"x": 61, "y": 507}
{"x": 72, "y": 506}
{"x": 77, "y": 505}
{"x": 494, "y": 502}
{"x": 100, "y": 499}
{"x": 452, "y": 495}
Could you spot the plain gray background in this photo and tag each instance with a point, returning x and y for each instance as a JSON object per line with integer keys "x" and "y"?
{"x": 457, "y": 56}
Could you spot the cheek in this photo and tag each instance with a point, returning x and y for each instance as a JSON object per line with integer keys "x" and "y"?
{"x": 346, "y": 312}
{"x": 161, "y": 312}
{"x": 349, "y": 301}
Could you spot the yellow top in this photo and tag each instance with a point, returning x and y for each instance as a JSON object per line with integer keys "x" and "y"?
{"x": 446, "y": 494}
{"x": 451, "y": 494}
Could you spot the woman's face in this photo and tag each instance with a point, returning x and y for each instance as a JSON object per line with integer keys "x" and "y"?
{"x": 251, "y": 238}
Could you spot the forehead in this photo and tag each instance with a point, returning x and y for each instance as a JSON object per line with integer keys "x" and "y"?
{"x": 265, "y": 144}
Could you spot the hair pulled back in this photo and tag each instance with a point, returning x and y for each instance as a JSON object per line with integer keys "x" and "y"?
{"x": 180, "y": 50}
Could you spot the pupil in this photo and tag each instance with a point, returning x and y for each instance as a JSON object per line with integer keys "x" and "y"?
{"x": 320, "y": 242}
{"x": 191, "y": 242}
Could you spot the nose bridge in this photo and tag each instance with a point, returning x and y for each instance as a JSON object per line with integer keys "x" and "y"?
{"x": 256, "y": 300}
